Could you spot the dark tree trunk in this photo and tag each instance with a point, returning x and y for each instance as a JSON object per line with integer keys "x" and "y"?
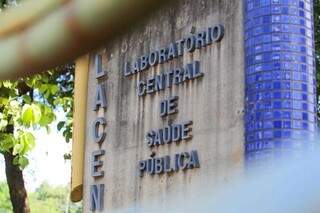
{"x": 18, "y": 193}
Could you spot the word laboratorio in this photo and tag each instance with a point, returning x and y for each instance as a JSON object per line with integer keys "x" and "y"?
{"x": 175, "y": 49}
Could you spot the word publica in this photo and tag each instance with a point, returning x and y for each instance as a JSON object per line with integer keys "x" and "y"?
{"x": 175, "y": 49}
{"x": 166, "y": 80}
{"x": 170, "y": 133}
{"x": 165, "y": 164}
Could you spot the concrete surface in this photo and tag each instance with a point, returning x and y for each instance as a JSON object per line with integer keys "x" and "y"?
{"x": 214, "y": 103}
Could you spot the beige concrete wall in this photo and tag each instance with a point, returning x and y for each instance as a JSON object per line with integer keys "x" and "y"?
{"x": 214, "y": 103}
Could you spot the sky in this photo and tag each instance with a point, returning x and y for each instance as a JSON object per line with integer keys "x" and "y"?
{"x": 46, "y": 160}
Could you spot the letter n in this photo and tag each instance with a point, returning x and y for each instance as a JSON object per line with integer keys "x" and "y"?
{"x": 96, "y": 197}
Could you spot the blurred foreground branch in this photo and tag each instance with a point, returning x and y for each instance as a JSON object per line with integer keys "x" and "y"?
{"x": 68, "y": 32}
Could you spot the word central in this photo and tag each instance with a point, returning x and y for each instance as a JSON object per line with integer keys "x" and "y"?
{"x": 166, "y": 80}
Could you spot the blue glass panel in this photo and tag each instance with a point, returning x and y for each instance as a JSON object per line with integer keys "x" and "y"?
{"x": 280, "y": 75}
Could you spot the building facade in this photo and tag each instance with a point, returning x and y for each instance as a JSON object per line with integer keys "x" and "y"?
{"x": 190, "y": 97}
{"x": 280, "y": 77}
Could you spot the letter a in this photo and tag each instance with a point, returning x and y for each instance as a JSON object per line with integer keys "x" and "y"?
{"x": 100, "y": 99}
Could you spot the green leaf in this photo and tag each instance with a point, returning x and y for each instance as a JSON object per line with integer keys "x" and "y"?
{"x": 3, "y": 124}
{"x": 36, "y": 113}
{"x": 43, "y": 88}
{"x": 17, "y": 149}
{"x": 23, "y": 162}
{"x": 47, "y": 116}
{"x": 69, "y": 136}
{"x": 45, "y": 78}
{"x": 29, "y": 82}
{"x": 28, "y": 140}
{"x": 3, "y": 101}
{"x": 26, "y": 99}
{"x": 31, "y": 114}
{"x": 60, "y": 125}
{"x": 7, "y": 84}
{"x": 16, "y": 160}
{"x": 7, "y": 142}
{"x": 67, "y": 156}
{"x": 53, "y": 89}
{"x": 27, "y": 114}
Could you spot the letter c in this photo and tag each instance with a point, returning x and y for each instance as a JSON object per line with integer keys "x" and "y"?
{"x": 99, "y": 138}
{"x": 141, "y": 87}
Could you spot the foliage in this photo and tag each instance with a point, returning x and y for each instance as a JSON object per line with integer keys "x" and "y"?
{"x": 52, "y": 200}
{"x": 29, "y": 104}
{"x": 46, "y": 199}
{"x": 5, "y": 203}
{"x": 5, "y": 3}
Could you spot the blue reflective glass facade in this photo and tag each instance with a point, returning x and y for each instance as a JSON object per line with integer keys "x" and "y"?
{"x": 280, "y": 77}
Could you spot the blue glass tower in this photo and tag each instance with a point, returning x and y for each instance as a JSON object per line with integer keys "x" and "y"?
{"x": 280, "y": 77}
